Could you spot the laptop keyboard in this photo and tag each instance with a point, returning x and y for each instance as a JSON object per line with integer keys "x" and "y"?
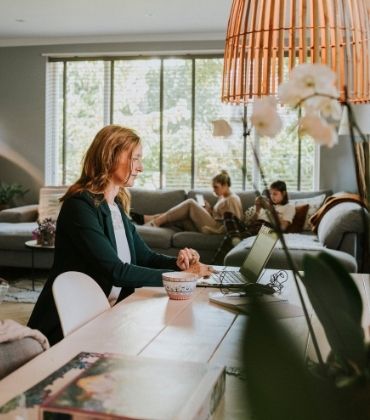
{"x": 231, "y": 277}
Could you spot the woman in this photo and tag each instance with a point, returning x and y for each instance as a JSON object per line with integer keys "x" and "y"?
{"x": 95, "y": 236}
{"x": 206, "y": 219}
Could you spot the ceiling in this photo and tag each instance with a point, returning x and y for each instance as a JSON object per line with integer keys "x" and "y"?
{"x": 34, "y": 22}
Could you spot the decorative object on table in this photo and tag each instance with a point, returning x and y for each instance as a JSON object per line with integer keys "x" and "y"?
{"x": 264, "y": 42}
{"x": 4, "y": 286}
{"x": 344, "y": 377}
{"x": 30, "y": 400}
{"x": 8, "y": 192}
{"x": 179, "y": 285}
{"x": 45, "y": 232}
{"x": 116, "y": 386}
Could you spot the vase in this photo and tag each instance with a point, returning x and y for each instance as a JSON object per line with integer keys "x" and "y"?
{"x": 46, "y": 240}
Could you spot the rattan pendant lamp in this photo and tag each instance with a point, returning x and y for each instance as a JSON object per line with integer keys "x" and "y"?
{"x": 267, "y": 38}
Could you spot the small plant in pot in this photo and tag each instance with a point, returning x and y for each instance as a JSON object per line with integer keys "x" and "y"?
{"x": 8, "y": 192}
{"x": 45, "y": 232}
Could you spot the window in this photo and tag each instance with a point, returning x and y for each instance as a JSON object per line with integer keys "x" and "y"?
{"x": 170, "y": 102}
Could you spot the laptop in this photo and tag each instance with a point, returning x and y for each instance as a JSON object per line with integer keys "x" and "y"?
{"x": 252, "y": 267}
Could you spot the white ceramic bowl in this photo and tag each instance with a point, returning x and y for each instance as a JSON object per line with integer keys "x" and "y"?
{"x": 4, "y": 286}
{"x": 179, "y": 285}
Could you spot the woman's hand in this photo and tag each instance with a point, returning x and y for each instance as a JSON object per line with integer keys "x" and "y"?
{"x": 187, "y": 257}
{"x": 201, "y": 270}
{"x": 259, "y": 202}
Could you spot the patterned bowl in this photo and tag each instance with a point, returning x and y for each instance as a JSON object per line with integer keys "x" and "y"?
{"x": 179, "y": 285}
{"x": 4, "y": 286}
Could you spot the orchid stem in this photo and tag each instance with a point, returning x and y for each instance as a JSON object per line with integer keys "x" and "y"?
{"x": 290, "y": 261}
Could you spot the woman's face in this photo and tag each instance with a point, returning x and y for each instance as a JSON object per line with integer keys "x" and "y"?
{"x": 276, "y": 196}
{"x": 220, "y": 189}
{"x": 128, "y": 167}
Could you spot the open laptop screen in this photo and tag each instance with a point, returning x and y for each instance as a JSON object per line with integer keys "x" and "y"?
{"x": 259, "y": 254}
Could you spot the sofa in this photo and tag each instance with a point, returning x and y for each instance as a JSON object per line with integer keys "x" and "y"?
{"x": 339, "y": 232}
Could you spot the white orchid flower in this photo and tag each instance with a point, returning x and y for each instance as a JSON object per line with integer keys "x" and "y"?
{"x": 311, "y": 79}
{"x": 317, "y": 128}
{"x": 265, "y": 117}
{"x": 327, "y": 107}
{"x": 289, "y": 94}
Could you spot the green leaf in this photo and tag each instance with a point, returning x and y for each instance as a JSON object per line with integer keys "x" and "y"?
{"x": 337, "y": 303}
{"x": 278, "y": 384}
{"x": 8, "y": 191}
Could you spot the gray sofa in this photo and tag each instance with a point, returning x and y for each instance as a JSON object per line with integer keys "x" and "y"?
{"x": 16, "y": 226}
{"x": 339, "y": 234}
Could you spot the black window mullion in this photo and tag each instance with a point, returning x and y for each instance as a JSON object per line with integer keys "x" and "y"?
{"x": 161, "y": 84}
{"x": 299, "y": 157}
{"x": 111, "y": 107}
{"x": 64, "y": 132}
{"x": 192, "y": 123}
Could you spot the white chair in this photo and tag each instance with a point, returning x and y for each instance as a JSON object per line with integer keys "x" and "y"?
{"x": 78, "y": 299}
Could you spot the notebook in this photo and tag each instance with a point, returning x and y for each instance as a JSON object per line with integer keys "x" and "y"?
{"x": 252, "y": 267}
{"x": 280, "y": 306}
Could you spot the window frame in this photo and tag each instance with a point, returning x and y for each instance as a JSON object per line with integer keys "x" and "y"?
{"x": 51, "y": 140}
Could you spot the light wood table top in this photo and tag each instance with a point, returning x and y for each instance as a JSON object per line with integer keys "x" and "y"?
{"x": 148, "y": 324}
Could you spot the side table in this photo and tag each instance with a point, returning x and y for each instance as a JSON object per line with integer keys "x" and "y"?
{"x": 34, "y": 246}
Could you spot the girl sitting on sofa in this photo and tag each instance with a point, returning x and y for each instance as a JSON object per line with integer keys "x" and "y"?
{"x": 280, "y": 201}
{"x": 236, "y": 229}
{"x": 206, "y": 219}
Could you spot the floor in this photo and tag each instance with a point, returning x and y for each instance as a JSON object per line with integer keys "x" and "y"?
{"x": 19, "y": 312}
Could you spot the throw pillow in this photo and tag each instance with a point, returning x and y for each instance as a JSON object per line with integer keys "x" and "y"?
{"x": 49, "y": 204}
{"x": 19, "y": 214}
{"x": 299, "y": 219}
{"x": 314, "y": 204}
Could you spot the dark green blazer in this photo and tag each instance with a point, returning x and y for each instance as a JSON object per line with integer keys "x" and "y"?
{"x": 85, "y": 242}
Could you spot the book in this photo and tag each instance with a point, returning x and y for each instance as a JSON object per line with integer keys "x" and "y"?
{"x": 130, "y": 387}
{"x": 280, "y": 306}
{"x": 26, "y": 404}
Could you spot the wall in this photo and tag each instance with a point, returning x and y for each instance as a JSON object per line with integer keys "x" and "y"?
{"x": 22, "y": 111}
{"x": 337, "y": 167}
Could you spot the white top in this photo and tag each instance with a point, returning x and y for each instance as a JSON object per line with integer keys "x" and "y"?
{"x": 285, "y": 212}
{"x": 123, "y": 250}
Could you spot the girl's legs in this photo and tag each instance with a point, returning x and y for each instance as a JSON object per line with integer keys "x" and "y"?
{"x": 188, "y": 209}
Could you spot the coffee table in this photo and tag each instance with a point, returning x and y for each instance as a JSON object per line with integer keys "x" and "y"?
{"x": 34, "y": 246}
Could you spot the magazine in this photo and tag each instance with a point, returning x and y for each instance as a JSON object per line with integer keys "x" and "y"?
{"x": 139, "y": 388}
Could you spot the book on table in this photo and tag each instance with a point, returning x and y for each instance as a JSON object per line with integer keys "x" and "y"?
{"x": 133, "y": 387}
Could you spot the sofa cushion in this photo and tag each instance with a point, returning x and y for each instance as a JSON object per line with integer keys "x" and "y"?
{"x": 156, "y": 237}
{"x": 299, "y": 219}
{"x": 299, "y": 245}
{"x": 157, "y": 201}
{"x": 196, "y": 240}
{"x": 19, "y": 214}
{"x": 342, "y": 218}
{"x": 14, "y": 235}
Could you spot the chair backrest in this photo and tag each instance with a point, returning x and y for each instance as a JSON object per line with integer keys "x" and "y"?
{"x": 78, "y": 299}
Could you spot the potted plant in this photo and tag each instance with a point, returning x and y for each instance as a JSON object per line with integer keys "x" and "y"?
{"x": 45, "y": 232}
{"x": 279, "y": 383}
{"x": 8, "y": 192}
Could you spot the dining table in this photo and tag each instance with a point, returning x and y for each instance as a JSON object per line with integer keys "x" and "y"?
{"x": 149, "y": 324}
